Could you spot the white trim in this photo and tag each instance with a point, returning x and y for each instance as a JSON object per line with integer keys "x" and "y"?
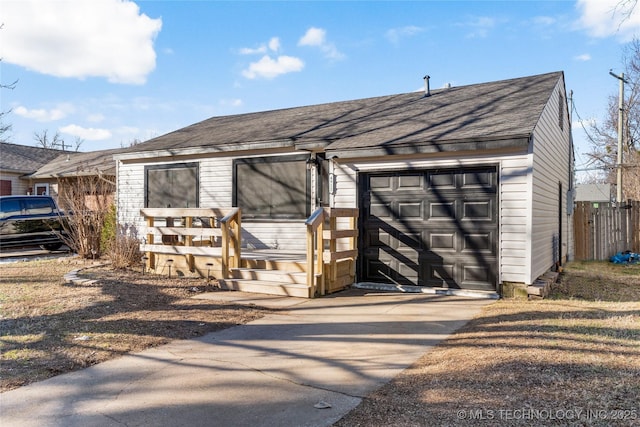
{"x": 41, "y": 185}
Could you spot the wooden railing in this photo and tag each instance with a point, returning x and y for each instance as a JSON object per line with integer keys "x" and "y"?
{"x": 322, "y": 245}
{"x": 185, "y": 239}
{"x": 231, "y": 234}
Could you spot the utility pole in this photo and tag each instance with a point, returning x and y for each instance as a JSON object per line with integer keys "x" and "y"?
{"x": 620, "y": 120}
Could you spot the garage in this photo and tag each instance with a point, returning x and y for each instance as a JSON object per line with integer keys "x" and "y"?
{"x": 433, "y": 228}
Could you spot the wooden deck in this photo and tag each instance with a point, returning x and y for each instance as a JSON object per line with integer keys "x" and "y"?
{"x": 207, "y": 243}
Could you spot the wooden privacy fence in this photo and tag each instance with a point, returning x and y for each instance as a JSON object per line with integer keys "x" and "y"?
{"x": 602, "y": 230}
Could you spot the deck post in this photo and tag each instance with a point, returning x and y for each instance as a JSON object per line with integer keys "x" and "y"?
{"x": 188, "y": 241}
{"x": 225, "y": 250}
{"x": 353, "y": 241}
{"x": 333, "y": 246}
{"x": 237, "y": 241}
{"x": 310, "y": 256}
{"x": 151, "y": 257}
{"x": 320, "y": 256}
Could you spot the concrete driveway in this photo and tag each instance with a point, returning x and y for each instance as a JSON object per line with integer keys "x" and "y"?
{"x": 306, "y": 365}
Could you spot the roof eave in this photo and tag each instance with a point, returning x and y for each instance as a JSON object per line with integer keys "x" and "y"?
{"x": 521, "y": 141}
{"x": 194, "y": 151}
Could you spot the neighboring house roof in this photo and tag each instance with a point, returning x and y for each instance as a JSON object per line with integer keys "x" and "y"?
{"x": 593, "y": 193}
{"x": 497, "y": 114}
{"x": 79, "y": 164}
{"x": 23, "y": 158}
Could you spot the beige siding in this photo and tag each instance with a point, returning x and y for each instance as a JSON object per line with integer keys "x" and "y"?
{"x": 345, "y": 191}
{"x": 216, "y": 187}
{"x": 216, "y": 182}
{"x": 551, "y": 157}
{"x": 130, "y": 196}
{"x": 513, "y": 200}
{"x": 515, "y": 218}
{"x": 18, "y": 186}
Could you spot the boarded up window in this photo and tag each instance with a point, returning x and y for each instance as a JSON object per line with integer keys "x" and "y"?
{"x": 272, "y": 187}
{"x": 5, "y": 187}
{"x": 172, "y": 186}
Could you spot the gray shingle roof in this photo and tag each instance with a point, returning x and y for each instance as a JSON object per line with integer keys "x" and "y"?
{"x": 23, "y": 158}
{"x": 79, "y": 164}
{"x": 501, "y": 110}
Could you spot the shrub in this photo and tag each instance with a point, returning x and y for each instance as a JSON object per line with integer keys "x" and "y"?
{"x": 124, "y": 250}
{"x": 87, "y": 201}
{"x": 109, "y": 230}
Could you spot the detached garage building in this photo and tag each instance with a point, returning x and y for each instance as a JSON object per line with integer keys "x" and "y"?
{"x": 457, "y": 188}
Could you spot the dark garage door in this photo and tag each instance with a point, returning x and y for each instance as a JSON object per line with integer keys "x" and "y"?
{"x": 434, "y": 228}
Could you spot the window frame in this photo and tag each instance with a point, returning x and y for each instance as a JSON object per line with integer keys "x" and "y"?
{"x": 273, "y": 159}
{"x": 185, "y": 165}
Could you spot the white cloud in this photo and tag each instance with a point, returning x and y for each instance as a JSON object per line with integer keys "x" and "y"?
{"x": 395, "y": 34}
{"x": 582, "y": 57}
{"x": 317, "y": 37}
{"x": 40, "y": 114}
{"x": 313, "y": 37}
{"x": 253, "y": 51}
{"x": 480, "y": 26}
{"x": 89, "y": 134}
{"x": 79, "y": 39}
{"x": 605, "y": 18}
{"x": 273, "y": 45}
{"x": 269, "y": 68}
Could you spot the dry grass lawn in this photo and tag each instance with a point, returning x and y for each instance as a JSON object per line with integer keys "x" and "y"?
{"x": 573, "y": 359}
{"x": 48, "y": 327}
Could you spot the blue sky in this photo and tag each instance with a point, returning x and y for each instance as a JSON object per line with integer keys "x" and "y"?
{"x": 110, "y": 71}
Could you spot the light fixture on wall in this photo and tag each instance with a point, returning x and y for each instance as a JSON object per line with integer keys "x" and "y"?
{"x": 312, "y": 162}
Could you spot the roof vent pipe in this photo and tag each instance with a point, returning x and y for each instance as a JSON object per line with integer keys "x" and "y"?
{"x": 427, "y": 91}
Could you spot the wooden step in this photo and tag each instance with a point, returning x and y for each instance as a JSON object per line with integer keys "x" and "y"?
{"x": 267, "y": 287}
{"x": 280, "y": 276}
{"x": 266, "y": 264}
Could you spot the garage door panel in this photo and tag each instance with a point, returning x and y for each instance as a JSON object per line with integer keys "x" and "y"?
{"x": 477, "y": 277}
{"x": 381, "y": 183}
{"x": 478, "y": 179}
{"x": 439, "y": 275}
{"x": 478, "y": 242}
{"x": 478, "y": 210}
{"x": 381, "y": 210}
{"x": 410, "y": 211}
{"x": 442, "y": 242}
{"x": 442, "y": 210}
{"x": 441, "y": 180}
{"x": 411, "y": 182}
{"x": 431, "y": 228}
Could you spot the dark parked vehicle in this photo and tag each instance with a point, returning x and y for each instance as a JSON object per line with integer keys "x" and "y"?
{"x": 30, "y": 221}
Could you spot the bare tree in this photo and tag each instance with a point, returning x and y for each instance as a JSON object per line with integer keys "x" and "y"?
{"x": 44, "y": 140}
{"x": 604, "y": 135}
{"x": 5, "y": 127}
{"x": 625, "y": 8}
{"x": 77, "y": 143}
{"x": 87, "y": 200}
